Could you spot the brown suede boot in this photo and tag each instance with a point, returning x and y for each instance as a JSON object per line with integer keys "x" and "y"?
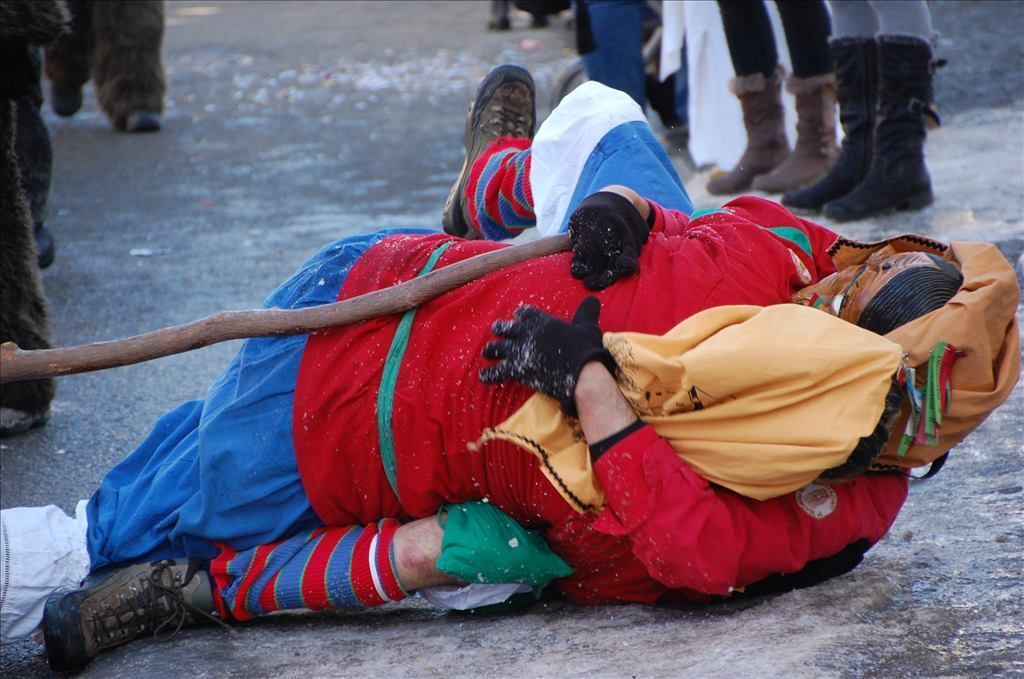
{"x": 815, "y": 152}
{"x": 761, "y": 100}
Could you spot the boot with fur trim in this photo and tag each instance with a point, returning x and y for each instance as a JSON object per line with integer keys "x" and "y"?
{"x": 763, "y": 118}
{"x": 815, "y": 152}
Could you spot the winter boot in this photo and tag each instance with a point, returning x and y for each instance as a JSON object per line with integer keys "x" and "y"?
{"x": 142, "y": 600}
{"x": 763, "y": 118}
{"x": 856, "y": 66}
{"x": 898, "y": 179}
{"x": 504, "y": 106}
{"x": 815, "y": 152}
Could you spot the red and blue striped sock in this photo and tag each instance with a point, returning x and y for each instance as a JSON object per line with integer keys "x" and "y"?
{"x": 351, "y": 567}
{"x": 498, "y": 193}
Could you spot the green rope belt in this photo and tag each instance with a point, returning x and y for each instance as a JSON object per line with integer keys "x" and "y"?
{"x": 386, "y": 394}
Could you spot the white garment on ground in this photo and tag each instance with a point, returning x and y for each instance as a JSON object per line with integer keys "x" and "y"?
{"x": 41, "y": 550}
{"x": 717, "y": 134}
{"x": 560, "y": 151}
{"x": 464, "y": 597}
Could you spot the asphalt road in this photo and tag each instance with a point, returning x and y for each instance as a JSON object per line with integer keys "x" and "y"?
{"x": 290, "y": 125}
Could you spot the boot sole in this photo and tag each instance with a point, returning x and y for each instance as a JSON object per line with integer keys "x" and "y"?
{"x": 452, "y": 218}
{"x": 915, "y": 201}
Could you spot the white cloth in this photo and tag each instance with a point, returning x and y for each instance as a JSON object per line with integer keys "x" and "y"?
{"x": 560, "y": 150}
{"x": 41, "y": 550}
{"x": 464, "y": 597}
{"x": 717, "y": 134}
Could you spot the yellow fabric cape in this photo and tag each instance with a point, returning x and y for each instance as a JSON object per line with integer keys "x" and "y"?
{"x": 759, "y": 400}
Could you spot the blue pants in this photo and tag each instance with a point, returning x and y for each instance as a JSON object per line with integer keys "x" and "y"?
{"x": 223, "y": 469}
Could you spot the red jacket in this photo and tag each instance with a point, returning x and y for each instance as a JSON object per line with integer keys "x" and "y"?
{"x": 440, "y": 406}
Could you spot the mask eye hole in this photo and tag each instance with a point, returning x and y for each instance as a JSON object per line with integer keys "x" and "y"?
{"x": 887, "y": 266}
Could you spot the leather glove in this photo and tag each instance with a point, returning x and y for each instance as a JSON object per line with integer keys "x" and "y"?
{"x": 546, "y": 353}
{"x": 607, "y": 233}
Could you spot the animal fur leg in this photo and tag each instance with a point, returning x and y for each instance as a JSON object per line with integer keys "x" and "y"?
{"x": 127, "y": 62}
{"x": 24, "y": 313}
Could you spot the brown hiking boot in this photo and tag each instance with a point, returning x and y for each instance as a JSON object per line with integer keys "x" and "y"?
{"x": 764, "y": 120}
{"x": 142, "y": 600}
{"x": 815, "y": 152}
{"x": 504, "y": 106}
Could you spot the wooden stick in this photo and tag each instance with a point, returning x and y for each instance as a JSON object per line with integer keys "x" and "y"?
{"x": 17, "y": 364}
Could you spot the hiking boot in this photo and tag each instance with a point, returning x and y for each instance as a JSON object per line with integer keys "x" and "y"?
{"x": 150, "y": 599}
{"x": 504, "y": 106}
{"x": 763, "y": 118}
{"x": 856, "y": 65}
{"x": 815, "y": 152}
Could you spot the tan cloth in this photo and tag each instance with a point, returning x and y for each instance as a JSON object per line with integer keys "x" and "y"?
{"x": 980, "y": 320}
{"x": 759, "y": 400}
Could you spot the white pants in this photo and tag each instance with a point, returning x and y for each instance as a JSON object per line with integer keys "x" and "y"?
{"x": 41, "y": 550}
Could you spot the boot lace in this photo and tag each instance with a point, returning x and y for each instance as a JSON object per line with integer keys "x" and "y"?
{"x": 504, "y": 122}
{"x": 156, "y": 604}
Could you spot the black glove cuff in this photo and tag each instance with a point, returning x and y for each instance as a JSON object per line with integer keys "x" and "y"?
{"x": 604, "y": 445}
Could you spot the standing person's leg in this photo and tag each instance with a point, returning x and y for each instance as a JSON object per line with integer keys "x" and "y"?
{"x": 758, "y": 85}
{"x": 855, "y": 59}
{"x": 813, "y": 83}
{"x": 898, "y": 178}
{"x": 617, "y": 27}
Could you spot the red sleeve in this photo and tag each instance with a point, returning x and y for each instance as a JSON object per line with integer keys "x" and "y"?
{"x": 692, "y": 535}
{"x": 670, "y": 222}
{"x": 771, "y": 215}
{"x": 810, "y": 244}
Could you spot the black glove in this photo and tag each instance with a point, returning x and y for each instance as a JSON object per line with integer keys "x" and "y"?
{"x": 607, "y": 233}
{"x": 546, "y": 353}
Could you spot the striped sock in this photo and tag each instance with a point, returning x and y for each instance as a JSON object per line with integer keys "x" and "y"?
{"x": 351, "y": 567}
{"x": 499, "y": 196}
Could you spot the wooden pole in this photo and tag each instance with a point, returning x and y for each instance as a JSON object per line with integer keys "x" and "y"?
{"x": 17, "y": 364}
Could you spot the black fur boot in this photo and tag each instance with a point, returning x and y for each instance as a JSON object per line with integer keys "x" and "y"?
{"x": 856, "y": 66}
{"x": 898, "y": 179}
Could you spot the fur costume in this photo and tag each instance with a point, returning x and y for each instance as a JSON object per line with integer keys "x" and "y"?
{"x": 24, "y": 24}
{"x": 119, "y": 45}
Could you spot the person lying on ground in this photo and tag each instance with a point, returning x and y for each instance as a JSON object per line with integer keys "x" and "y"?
{"x": 310, "y": 474}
